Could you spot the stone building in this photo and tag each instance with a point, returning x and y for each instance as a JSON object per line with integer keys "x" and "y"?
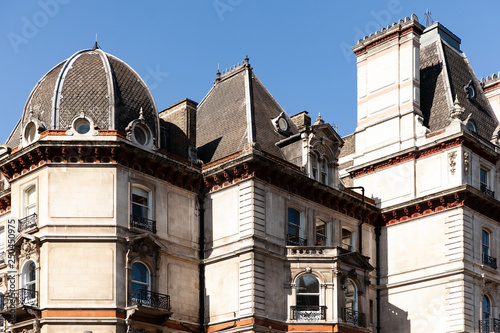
{"x": 231, "y": 215}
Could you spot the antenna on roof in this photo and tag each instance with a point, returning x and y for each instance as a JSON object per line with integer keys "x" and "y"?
{"x": 428, "y": 18}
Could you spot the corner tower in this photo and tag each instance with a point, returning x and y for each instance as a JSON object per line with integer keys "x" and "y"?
{"x": 389, "y": 115}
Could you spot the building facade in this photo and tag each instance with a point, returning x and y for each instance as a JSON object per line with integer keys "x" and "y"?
{"x": 231, "y": 215}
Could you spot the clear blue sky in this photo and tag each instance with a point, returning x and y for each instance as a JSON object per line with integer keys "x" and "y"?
{"x": 298, "y": 49}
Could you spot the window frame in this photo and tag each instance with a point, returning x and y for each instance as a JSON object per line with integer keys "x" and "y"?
{"x": 148, "y": 197}
{"x": 308, "y": 294}
{"x": 349, "y": 247}
{"x": 31, "y": 285}
{"x": 30, "y": 208}
{"x": 354, "y": 298}
{"x": 295, "y": 238}
{"x": 324, "y": 235}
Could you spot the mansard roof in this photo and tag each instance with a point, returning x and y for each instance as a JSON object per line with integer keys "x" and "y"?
{"x": 239, "y": 111}
{"x": 445, "y": 74}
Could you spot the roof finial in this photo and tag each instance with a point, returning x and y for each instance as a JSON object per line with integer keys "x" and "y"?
{"x": 319, "y": 120}
{"x": 96, "y": 46}
{"x": 429, "y": 20}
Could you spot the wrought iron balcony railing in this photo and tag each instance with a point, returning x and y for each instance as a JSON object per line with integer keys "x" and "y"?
{"x": 308, "y": 312}
{"x": 295, "y": 240}
{"x": 484, "y": 188}
{"x": 143, "y": 223}
{"x": 150, "y": 299}
{"x": 16, "y": 298}
{"x": 354, "y": 317}
{"x": 489, "y": 261}
{"x": 490, "y": 325}
{"x": 27, "y": 222}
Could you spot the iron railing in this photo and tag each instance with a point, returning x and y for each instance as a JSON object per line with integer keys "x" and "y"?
{"x": 27, "y": 222}
{"x": 143, "y": 223}
{"x": 354, "y": 317}
{"x": 150, "y": 299}
{"x": 295, "y": 240}
{"x": 308, "y": 312}
{"x": 16, "y": 298}
{"x": 490, "y": 325}
{"x": 484, "y": 188}
{"x": 489, "y": 261}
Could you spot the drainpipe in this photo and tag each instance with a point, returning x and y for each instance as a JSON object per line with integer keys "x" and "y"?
{"x": 201, "y": 255}
{"x": 360, "y": 233}
{"x": 378, "y": 230}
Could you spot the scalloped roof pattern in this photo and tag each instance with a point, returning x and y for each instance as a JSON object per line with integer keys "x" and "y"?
{"x": 97, "y": 84}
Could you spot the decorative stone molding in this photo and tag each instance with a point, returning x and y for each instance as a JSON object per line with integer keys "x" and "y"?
{"x": 466, "y": 162}
{"x": 452, "y": 156}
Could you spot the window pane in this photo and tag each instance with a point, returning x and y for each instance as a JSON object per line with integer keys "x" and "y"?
{"x": 308, "y": 284}
{"x": 483, "y": 176}
{"x": 486, "y": 308}
{"x": 320, "y": 233}
{"x": 307, "y": 300}
{"x": 140, "y": 273}
{"x": 293, "y": 217}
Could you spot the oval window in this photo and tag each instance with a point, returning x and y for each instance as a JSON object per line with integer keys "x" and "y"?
{"x": 30, "y": 132}
{"x": 82, "y": 126}
{"x": 140, "y": 135}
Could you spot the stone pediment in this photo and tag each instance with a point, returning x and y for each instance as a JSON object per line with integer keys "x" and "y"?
{"x": 356, "y": 260}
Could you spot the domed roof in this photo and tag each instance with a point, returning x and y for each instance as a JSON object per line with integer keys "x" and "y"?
{"x": 95, "y": 85}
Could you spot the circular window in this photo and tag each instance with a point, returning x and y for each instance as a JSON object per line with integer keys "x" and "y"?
{"x": 82, "y": 126}
{"x": 140, "y": 135}
{"x": 30, "y": 132}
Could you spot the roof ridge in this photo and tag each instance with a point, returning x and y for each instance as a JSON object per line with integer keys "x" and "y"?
{"x": 238, "y": 67}
{"x": 490, "y": 79}
{"x": 391, "y": 27}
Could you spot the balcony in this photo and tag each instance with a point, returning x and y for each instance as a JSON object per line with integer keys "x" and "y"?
{"x": 145, "y": 298}
{"x": 295, "y": 240}
{"x": 27, "y": 223}
{"x": 18, "y": 298}
{"x": 143, "y": 223}
{"x": 485, "y": 190}
{"x": 354, "y": 317}
{"x": 308, "y": 313}
{"x": 489, "y": 261}
{"x": 490, "y": 325}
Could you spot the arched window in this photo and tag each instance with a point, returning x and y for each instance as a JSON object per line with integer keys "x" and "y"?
{"x": 141, "y": 284}
{"x": 485, "y": 324}
{"x": 28, "y": 283}
{"x": 307, "y": 299}
{"x": 141, "y": 279}
{"x": 351, "y": 295}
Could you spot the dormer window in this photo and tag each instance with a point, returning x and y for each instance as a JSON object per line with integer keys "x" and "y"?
{"x": 472, "y": 125}
{"x": 470, "y": 90}
{"x": 140, "y": 135}
{"x": 82, "y": 126}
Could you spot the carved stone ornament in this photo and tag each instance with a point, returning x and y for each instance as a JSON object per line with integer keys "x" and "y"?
{"x": 28, "y": 248}
{"x": 457, "y": 111}
{"x": 466, "y": 162}
{"x": 452, "y": 156}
